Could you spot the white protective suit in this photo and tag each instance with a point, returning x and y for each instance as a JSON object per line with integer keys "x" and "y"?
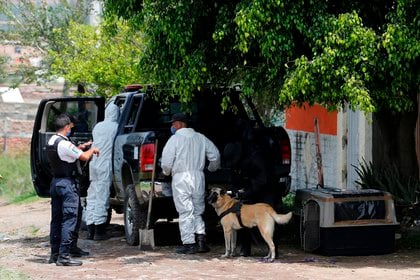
{"x": 100, "y": 167}
{"x": 184, "y": 157}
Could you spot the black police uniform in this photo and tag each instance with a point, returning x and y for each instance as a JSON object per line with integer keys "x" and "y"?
{"x": 64, "y": 202}
{"x": 252, "y": 174}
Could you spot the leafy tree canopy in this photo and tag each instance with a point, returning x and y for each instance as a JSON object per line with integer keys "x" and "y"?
{"x": 364, "y": 53}
{"x": 100, "y": 61}
{"x": 35, "y": 24}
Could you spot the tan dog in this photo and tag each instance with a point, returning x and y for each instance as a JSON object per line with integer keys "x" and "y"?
{"x": 261, "y": 215}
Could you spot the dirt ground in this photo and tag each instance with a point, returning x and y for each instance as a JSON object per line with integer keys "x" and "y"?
{"x": 24, "y": 248}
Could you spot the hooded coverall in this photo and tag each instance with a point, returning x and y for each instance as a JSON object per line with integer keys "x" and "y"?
{"x": 184, "y": 157}
{"x": 100, "y": 168}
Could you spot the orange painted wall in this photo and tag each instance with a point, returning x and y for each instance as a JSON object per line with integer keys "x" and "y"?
{"x": 302, "y": 118}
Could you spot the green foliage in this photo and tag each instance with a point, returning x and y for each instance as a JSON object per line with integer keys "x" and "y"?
{"x": 289, "y": 202}
{"x": 400, "y": 46}
{"x": 406, "y": 191}
{"x": 360, "y": 53}
{"x": 340, "y": 71}
{"x": 98, "y": 59}
{"x": 26, "y": 197}
{"x": 15, "y": 181}
{"x": 4, "y": 60}
{"x": 34, "y": 25}
{"x": 172, "y": 57}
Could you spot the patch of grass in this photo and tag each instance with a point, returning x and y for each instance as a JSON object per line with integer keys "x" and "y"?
{"x": 15, "y": 178}
{"x": 25, "y": 198}
{"x": 34, "y": 230}
{"x": 12, "y": 275}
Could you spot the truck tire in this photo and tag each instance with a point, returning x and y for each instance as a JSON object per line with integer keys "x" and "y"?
{"x": 134, "y": 217}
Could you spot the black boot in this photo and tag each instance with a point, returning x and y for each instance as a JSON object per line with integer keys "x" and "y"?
{"x": 245, "y": 250}
{"x": 53, "y": 258}
{"x": 90, "y": 231}
{"x": 245, "y": 240}
{"x": 66, "y": 260}
{"x": 100, "y": 232}
{"x": 201, "y": 241}
{"x": 76, "y": 252}
{"x": 187, "y": 249}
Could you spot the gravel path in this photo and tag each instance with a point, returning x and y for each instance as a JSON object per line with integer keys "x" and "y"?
{"x": 24, "y": 248}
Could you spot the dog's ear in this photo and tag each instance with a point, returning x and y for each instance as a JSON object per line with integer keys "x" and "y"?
{"x": 222, "y": 191}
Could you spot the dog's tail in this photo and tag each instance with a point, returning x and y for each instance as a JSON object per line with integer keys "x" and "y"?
{"x": 282, "y": 219}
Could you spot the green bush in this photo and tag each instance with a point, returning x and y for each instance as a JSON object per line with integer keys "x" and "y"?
{"x": 15, "y": 178}
{"x": 289, "y": 202}
{"x": 406, "y": 190}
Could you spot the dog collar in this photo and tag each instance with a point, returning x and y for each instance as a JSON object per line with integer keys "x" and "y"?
{"x": 236, "y": 208}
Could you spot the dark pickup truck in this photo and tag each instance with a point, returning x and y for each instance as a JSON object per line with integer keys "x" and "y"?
{"x": 144, "y": 119}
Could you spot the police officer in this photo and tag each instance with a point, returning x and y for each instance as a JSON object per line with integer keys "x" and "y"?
{"x": 63, "y": 156}
{"x": 251, "y": 176}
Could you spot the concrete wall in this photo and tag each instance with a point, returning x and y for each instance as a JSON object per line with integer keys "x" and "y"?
{"x": 359, "y": 144}
{"x": 345, "y": 141}
{"x": 16, "y": 119}
{"x": 16, "y": 123}
{"x": 304, "y": 162}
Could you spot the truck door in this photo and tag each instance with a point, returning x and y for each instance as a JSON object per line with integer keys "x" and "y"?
{"x": 87, "y": 111}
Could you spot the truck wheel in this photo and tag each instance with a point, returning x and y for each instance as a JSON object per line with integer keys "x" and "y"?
{"x": 132, "y": 216}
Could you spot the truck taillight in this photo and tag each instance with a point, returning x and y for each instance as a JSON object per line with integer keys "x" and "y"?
{"x": 147, "y": 152}
{"x": 285, "y": 151}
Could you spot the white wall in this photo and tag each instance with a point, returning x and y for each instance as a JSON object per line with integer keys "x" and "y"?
{"x": 95, "y": 14}
{"x": 352, "y": 143}
{"x": 359, "y": 144}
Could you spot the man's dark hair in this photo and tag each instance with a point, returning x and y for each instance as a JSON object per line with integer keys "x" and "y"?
{"x": 181, "y": 117}
{"x": 61, "y": 121}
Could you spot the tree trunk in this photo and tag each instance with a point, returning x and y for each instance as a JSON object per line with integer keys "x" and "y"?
{"x": 394, "y": 142}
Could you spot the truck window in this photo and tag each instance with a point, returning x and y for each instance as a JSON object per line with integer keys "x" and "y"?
{"x": 152, "y": 116}
{"x": 84, "y": 111}
{"x": 134, "y": 111}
